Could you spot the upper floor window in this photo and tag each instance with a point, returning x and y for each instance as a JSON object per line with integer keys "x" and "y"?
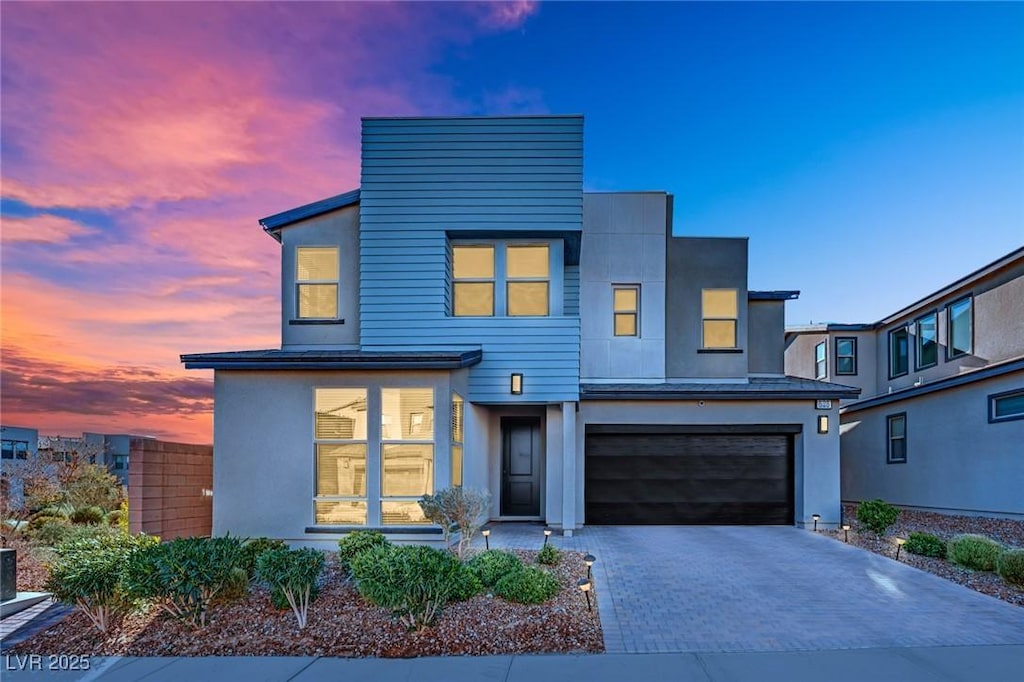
{"x": 15, "y": 449}
{"x": 316, "y": 281}
{"x": 927, "y": 333}
{"x": 478, "y": 271}
{"x": 821, "y": 360}
{"x": 1006, "y": 406}
{"x": 899, "y": 352}
{"x": 846, "y": 355}
{"x": 960, "y": 328}
{"x": 896, "y": 432}
{"x": 718, "y": 318}
{"x": 626, "y": 309}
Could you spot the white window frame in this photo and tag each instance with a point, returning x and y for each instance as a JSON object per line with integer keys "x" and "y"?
{"x": 384, "y": 442}
{"x": 365, "y": 498}
{"x": 635, "y": 312}
{"x": 821, "y": 365}
{"x": 299, "y": 283}
{"x": 735, "y": 320}
{"x": 501, "y": 280}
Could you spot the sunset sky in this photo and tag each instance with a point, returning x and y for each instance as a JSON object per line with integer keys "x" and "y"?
{"x": 871, "y": 152}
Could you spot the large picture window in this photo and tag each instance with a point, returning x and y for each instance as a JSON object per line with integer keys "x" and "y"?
{"x": 339, "y": 433}
{"x": 457, "y": 435}
{"x": 960, "y": 328}
{"x": 316, "y": 281}
{"x": 821, "y": 360}
{"x": 896, "y": 432}
{"x": 501, "y": 279}
{"x": 407, "y": 453}
{"x": 718, "y": 318}
{"x": 846, "y": 355}
{"x": 926, "y": 331}
{"x": 899, "y": 352}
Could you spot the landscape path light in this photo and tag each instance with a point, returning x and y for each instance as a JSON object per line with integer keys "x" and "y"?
{"x": 486, "y": 532}
{"x": 899, "y": 546}
{"x": 846, "y": 532}
{"x": 547, "y": 534}
{"x": 589, "y": 560}
{"x": 584, "y": 586}
{"x": 816, "y": 517}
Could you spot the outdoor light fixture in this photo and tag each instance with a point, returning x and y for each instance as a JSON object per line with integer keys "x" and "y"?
{"x": 822, "y": 423}
{"x": 846, "y": 532}
{"x": 486, "y": 532}
{"x": 816, "y": 517}
{"x": 547, "y": 534}
{"x": 584, "y": 586}
{"x": 899, "y": 546}
{"x": 589, "y": 561}
{"x": 517, "y": 384}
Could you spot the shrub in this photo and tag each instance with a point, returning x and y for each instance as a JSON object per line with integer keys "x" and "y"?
{"x": 280, "y": 602}
{"x": 122, "y": 520}
{"x": 491, "y": 566}
{"x": 1010, "y": 566}
{"x": 87, "y": 574}
{"x": 294, "y": 573}
{"x": 974, "y": 551}
{"x": 236, "y": 587}
{"x": 457, "y": 510}
{"x": 414, "y": 581}
{"x": 113, "y": 518}
{"x": 253, "y": 548}
{"x": 357, "y": 542}
{"x": 926, "y": 544}
{"x": 877, "y": 515}
{"x": 58, "y": 532}
{"x": 62, "y": 511}
{"x": 527, "y": 586}
{"x": 91, "y": 515}
{"x": 41, "y": 519}
{"x": 184, "y": 576}
{"x": 549, "y": 555}
{"x": 94, "y": 486}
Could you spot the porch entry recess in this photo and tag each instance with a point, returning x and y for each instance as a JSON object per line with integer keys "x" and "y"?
{"x": 650, "y": 474}
{"x": 520, "y": 466}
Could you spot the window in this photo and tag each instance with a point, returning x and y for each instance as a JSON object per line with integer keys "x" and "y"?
{"x": 14, "y": 449}
{"x": 899, "y": 352}
{"x": 897, "y": 435}
{"x": 458, "y": 426}
{"x": 926, "y": 329}
{"x": 316, "y": 277}
{"x": 339, "y": 433}
{"x": 1006, "y": 406}
{"x": 960, "y": 329}
{"x": 473, "y": 280}
{"x": 120, "y": 462}
{"x": 718, "y": 318}
{"x": 527, "y": 287}
{"x": 821, "y": 360}
{"x": 407, "y": 453}
{"x": 626, "y": 309}
{"x": 846, "y": 355}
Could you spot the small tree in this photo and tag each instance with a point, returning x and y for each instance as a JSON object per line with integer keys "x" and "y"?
{"x": 294, "y": 573}
{"x": 94, "y": 486}
{"x": 457, "y": 510}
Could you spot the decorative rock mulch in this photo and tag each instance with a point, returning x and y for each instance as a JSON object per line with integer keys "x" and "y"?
{"x": 341, "y": 623}
{"x": 1008, "y": 532}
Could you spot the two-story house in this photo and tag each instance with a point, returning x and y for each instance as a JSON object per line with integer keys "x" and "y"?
{"x": 469, "y": 316}
{"x": 939, "y": 424}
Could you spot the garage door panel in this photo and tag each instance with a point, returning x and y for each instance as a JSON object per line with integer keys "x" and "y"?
{"x": 672, "y": 478}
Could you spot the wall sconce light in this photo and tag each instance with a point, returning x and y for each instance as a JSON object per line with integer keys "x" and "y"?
{"x": 486, "y": 532}
{"x": 822, "y": 423}
{"x": 517, "y": 384}
{"x": 816, "y": 518}
{"x": 584, "y": 586}
{"x": 846, "y": 532}
{"x": 207, "y": 492}
{"x": 589, "y": 561}
{"x": 547, "y": 534}
{"x": 899, "y": 546}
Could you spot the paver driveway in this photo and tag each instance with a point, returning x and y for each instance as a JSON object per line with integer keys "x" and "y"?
{"x": 768, "y": 588}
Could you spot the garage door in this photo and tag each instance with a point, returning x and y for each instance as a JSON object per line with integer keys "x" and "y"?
{"x": 688, "y": 478}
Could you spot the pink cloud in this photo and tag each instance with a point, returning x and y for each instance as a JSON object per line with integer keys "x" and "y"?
{"x": 508, "y": 14}
{"x": 41, "y": 229}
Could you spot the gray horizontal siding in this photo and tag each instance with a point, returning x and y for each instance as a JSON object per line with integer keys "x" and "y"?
{"x": 571, "y": 290}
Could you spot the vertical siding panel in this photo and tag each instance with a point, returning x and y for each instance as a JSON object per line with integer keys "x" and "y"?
{"x": 572, "y": 290}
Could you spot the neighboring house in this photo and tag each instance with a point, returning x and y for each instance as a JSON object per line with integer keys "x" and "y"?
{"x": 114, "y": 450}
{"x": 469, "y": 316}
{"x": 19, "y": 446}
{"x": 940, "y": 421}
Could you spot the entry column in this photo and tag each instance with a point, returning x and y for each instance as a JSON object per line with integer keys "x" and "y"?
{"x": 568, "y": 468}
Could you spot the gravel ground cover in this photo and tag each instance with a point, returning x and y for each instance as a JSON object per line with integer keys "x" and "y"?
{"x": 32, "y": 571}
{"x": 341, "y": 623}
{"x": 1008, "y": 532}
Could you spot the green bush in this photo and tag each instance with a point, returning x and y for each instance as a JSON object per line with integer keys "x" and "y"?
{"x": 549, "y": 555}
{"x": 113, "y": 518}
{"x": 293, "y": 573}
{"x": 87, "y": 574}
{"x": 877, "y": 515}
{"x": 279, "y": 600}
{"x": 62, "y": 511}
{"x": 527, "y": 586}
{"x": 58, "y": 532}
{"x": 357, "y": 542}
{"x": 974, "y": 551}
{"x": 926, "y": 544}
{"x": 491, "y": 566}
{"x": 236, "y": 587}
{"x": 414, "y": 581}
{"x": 91, "y": 515}
{"x": 41, "y": 519}
{"x": 1010, "y": 566}
{"x": 460, "y": 510}
{"x": 183, "y": 577}
{"x": 94, "y": 486}
{"x": 253, "y": 548}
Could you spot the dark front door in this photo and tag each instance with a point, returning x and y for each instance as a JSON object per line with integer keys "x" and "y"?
{"x": 520, "y": 466}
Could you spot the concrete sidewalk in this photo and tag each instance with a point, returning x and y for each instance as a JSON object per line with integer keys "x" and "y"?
{"x": 914, "y": 664}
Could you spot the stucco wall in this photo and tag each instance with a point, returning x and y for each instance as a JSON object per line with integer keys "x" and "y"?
{"x": 623, "y": 243}
{"x": 338, "y": 228}
{"x": 956, "y": 460}
{"x": 816, "y": 456}
{"x": 766, "y": 321}
{"x": 168, "y": 488}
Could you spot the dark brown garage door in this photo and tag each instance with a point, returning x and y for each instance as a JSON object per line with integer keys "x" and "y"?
{"x": 688, "y": 478}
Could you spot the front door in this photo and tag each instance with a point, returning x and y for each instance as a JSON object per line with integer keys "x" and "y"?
{"x": 520, "y": 466}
